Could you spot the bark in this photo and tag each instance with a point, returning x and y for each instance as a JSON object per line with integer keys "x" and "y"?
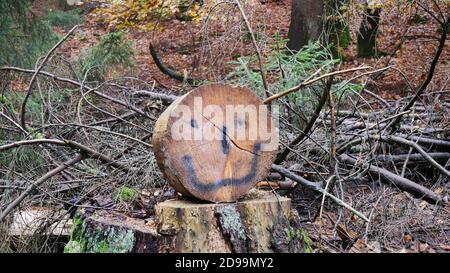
{"x": 261, "y": 223}
{"x": 306, "y": 22}
{"x": 109, "y": 232}
{"x": 258, "y": 225}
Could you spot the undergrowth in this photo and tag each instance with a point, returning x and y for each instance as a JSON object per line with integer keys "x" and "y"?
{"x": 64, "y": 19}
{"x": 113, "y": 52}
{"x": 286, "y": 69}
{"x": 24, "y": 37}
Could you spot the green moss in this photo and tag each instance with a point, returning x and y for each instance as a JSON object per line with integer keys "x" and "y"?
{"x": 98, "y": 240}
{"x": 124, "y": 194}
{"x": 300, "y": 234}
{"x": 306, "y": 241}
{"x": 73, "y": 247}
{"x": 103, "y": 247}
{"x": 75, "y": 244}
{"x": 77, "y": 228}
{"x": 111, "y": 240}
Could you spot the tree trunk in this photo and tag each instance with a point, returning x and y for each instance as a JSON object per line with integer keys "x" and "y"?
{"x": 261, "y": 223}
{"x": 306, "y": 22}
{"x": 207, "y": 150}
{"x": 367, "y": 46}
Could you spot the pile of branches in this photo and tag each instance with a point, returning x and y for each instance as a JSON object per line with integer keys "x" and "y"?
{"x": 84, "y": 141}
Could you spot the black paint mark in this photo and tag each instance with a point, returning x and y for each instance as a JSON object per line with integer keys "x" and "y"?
{"x": 240, "y": 122}
{"x": 194, "y": 123}
{"x": 207, "y": 186}
{"x": 178, "y": 213}
{"x": 225, "y": 142}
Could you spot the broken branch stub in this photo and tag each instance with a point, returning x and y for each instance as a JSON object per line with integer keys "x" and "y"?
{"x": 215, "y": 143}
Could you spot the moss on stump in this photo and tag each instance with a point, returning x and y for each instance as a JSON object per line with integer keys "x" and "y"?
{"x": 261, "y": 222}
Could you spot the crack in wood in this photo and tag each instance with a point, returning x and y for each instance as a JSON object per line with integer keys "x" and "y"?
{"x": 231, "y": 140}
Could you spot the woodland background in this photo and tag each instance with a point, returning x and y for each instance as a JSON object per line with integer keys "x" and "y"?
{"x": 80, "y": 92}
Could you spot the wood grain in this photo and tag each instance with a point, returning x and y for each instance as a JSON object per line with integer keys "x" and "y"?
{"x": 221, "y": 169}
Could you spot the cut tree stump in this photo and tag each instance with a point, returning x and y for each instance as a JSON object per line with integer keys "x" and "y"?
{"x": 111, "y": 232}
{"x": 258, "y": 224}
{"x": 207, "y": 150}
{"x": 255, "y": 225}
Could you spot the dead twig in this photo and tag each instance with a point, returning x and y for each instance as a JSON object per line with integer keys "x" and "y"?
{"x": 38, "y": 182}
{"x": 421, "y": 151}
{"x": 35, "y": 74}
{"x": 258, "y": 51}
{"x": 89, "y": 152}
{"x": 313, "y": 186}
{"x": 398, "y": 181}
{"x": 311, "y": 81}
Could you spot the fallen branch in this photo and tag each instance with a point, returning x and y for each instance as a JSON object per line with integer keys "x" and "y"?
{"x": 429, "y": 141}
{"x": 38, "y": 182}
{"x": 113, "y": 119}
{"x": 89, "y": 152}
{"x": 397, "y": 181}
{"x": 36, "y": 72}
{"x": 311, "y": 81}
{"x": 168, "y": 99}
{"x": 31, "y": 142}
{"x": 73, "y": 82}
{"x": 420, "y": 150}
{"x": 166, "y": 70}
{"x": 412, "y": 158}
{"x": 97, "y": 128}
{"x": 313, "y": 186}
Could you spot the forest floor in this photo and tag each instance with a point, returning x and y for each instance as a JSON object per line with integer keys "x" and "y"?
{"x": 177, "y": 44}
{"x": 400, "y": 223}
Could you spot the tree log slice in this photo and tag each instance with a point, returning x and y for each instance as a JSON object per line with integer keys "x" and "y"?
{"x": 209, "y": 145}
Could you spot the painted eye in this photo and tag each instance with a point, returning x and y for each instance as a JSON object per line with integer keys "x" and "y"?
{"x": 194, "y": 123}
{"x": 225, "y": 140}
